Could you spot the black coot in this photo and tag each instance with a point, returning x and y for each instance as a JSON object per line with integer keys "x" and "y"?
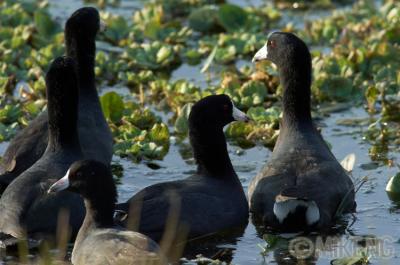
{"x": 94, "y": 134}
{"x": 25, "y": 208}
{"x": 99, "y": 241}
{"x": 302, "y": 186}
{"x": 210, "y": 201}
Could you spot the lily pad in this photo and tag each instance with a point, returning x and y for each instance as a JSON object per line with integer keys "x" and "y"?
{"x": 204, "y": 19}
{"x": 44, "y": 24}
{"x": 262, "y": 115}
{"x": 360, "y": 258}
{"x": 181, "y": 123}
{"x": 112, "y": 106}
{"x": 232, "y": 17}
{"x": 253, "y": 93}
{"x": 117, "y": 29}
{"x": 159, "y": 133}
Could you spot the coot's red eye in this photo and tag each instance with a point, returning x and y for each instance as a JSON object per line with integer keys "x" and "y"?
{"x": 226, "y": 107}
{"x": 271, "y": 43}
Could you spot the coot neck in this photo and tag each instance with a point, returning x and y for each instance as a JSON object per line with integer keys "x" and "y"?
{"x": 100, "y": 212}
{"x": 210, "y": 150}
{"x": 96, "y": 217}
{"x": 295, "y": 77}
{"x": 63, "y": 116}
{"x": 61, "y": 142}
{"x": 83, "y": 50}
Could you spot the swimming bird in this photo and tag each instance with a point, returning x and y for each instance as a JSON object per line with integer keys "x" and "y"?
{"x": 302, "y": 186}
{"x": 210, "y": 201}
{"x": 25, "y": 208}
{"x": 99, "y": 241}
{"x": 94, "y": 134}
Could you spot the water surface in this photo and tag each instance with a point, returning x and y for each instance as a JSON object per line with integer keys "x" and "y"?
{"x": 376, "y": 223}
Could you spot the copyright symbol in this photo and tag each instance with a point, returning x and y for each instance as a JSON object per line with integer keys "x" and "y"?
{"x": 301, "y": 247}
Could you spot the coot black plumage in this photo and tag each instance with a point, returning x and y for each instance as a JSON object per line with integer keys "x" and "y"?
{"x": 99, "y": 241}
{"x": 302, "y": 186}
{"x": 95, "y": 136}
{"x": 25, "y": 207}
{"x": 210, "y": 201}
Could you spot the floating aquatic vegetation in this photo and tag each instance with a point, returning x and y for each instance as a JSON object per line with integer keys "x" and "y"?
{"x": 154, "y": 56}
{"x": 154, "y": 23}
{"x": 218, "y": 18}
{"x": 117, "y": 28}
{"x": 308, "y": 4}
{"x": 104, "y": 3}
{"x": 141, "y": 52}
{"x": 181, "y": 122}
{"x": 362, "y": 257}
{"x": 29, "y": 41}
{"x": 138, "y": 132}
{"x": 355, "y": 60}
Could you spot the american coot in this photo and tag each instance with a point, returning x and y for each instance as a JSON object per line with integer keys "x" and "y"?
{"x": 302, "y": 186}
{"x": 210, "y": 201}
{"x": 99, "y": 241}
{"x": 24, "y": 205}
{"x": 94, "y": 134}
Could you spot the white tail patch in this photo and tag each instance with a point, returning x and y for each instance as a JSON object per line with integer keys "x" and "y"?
{"x": 348, "y": 162}
{"x": 283, "y": 207}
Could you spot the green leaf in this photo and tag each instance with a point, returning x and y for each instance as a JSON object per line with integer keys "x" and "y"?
{"x": 117, "y": 29}
{"x": 144, "y": 119}
{"x": 203, "y": 19}
{"x": 153, "y": 151}
{"x": 372, "y": 95}
{"x": 260, "y": 114}
{"x": 193, "y": 56}
{"x": 232, "y": 17}
{"x": 346, "y": 261}
{"x": 238, "y": 131}
{"x": 164, "y": 53}
{"x": 113, "y": 106}
{"x": 152, "y": 29}
{"x": 7, "y": 132}
{"x": 10, "y": 113}
{"x": 360, "y": 258}
{"x": 226, "y": 55}
{"x": 159, "y": 134}
{"x": 181, "y": 123}
{"x": 334, "y": 87}
{"x": 153, "y": 55}
{"x": 253, "y": 93}
{"x": 44, "y": 24}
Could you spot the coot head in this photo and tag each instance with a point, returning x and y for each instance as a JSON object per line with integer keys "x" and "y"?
{"x": 89, "y": 178}
{"x": 283, "y": 47}
{"x": 216, "y": 110}
{"x": 84, "y": 23}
